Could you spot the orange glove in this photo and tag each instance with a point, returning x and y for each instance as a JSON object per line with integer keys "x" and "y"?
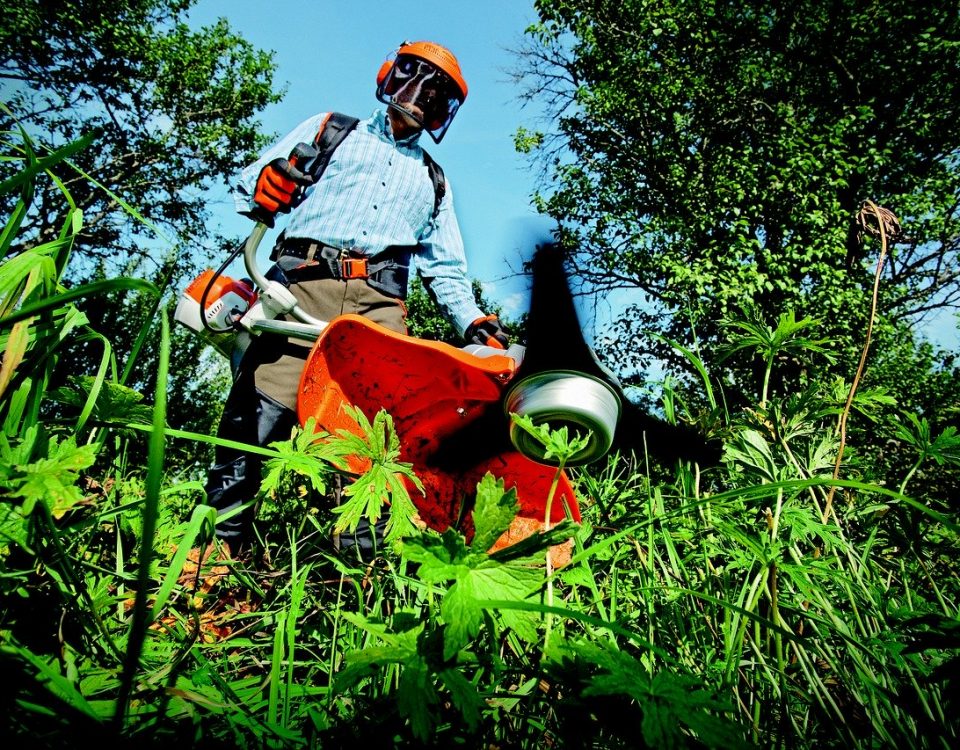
{"x": 487, "y": 331}
{"x": 281, "y": 184}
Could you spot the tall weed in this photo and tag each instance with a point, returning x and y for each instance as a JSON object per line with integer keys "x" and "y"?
{"x": 703, "y": 606}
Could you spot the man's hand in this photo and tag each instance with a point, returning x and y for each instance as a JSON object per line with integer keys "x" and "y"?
{"x": 487, "y": 331}
{"x": 279, "y": 189}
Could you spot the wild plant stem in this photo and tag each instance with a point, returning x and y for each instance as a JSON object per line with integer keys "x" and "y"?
{"x": 909, "y": 476}
{"x": 139, "y": 621}
{"x": 554, "y": 484}
{"x": 863, "y": 360}
{"x": 766, "y": 383}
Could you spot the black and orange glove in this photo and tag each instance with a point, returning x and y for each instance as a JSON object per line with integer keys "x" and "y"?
{"x": 280, "y": 187}
{"x": 487, "y": 331}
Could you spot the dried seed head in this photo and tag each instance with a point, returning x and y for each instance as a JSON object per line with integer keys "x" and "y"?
{"x": 873, "y": 218}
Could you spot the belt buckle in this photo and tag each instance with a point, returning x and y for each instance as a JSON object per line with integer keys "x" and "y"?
{"x": 352, "y": 267}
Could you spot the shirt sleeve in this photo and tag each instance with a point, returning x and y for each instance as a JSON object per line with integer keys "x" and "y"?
{"x": 245, "y": 183}
{"x": 443, "y": 266}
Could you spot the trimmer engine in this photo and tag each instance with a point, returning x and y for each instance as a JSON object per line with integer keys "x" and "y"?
{"x": 225, "y": 301}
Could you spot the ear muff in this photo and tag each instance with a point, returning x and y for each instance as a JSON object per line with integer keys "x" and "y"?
{"x": 386, "y": 65}
{"x": 384, "y": 72}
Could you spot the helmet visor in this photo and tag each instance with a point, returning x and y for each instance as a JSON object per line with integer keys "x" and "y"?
{"x": 422, "y": 91}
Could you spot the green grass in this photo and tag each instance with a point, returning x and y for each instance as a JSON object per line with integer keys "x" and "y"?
{"x": 714, "y": 608}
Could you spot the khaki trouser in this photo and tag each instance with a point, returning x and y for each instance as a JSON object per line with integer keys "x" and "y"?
{"x": 279, "y": 362}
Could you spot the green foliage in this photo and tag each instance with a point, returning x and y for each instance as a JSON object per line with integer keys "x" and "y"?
{"x": 174, "y": 108}
{"x": 477, "y": 576}
{"x": 174, "y": 113}
{"x": 712, "y": 156}
{"x": 306, "y": 456}
{"x": 384, "y": 482}
{"x": 771, "y": 343}
{"x": 669, "y": 708}
{"x": 702, "y": 607}
{"x": 426, "y": 321}
{"x": 112, "y": 403}
{"x": 43, "y": 470}
{"x": 433, "y": 653}
{"x": 558, "y": 445}
{"x": 943, "y": 449}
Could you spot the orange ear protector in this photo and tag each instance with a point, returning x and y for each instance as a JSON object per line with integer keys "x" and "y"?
{"x": 387, "y": 64}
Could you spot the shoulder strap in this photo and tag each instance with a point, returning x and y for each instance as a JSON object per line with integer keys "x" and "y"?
{"x": 334, "y": 128}
{"x": 439, "y": 181}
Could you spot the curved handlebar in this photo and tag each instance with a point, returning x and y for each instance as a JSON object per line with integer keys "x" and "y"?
{"x": 262, "y": 282}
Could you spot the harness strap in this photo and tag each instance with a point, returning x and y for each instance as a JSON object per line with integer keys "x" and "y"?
{"x": 334, "y": 128}
{"x": 438, "y": 179}
{"x": 387, "y": 271}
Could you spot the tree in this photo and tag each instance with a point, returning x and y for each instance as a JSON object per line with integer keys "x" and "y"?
{"x": 714, "y": 155}
{"x": 174, "y": 110}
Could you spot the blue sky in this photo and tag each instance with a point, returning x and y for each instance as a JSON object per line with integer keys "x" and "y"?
{"x": 328, "y": 54}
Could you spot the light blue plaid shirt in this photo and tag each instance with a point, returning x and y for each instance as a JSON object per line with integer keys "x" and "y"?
{"x": 377, "y": 192}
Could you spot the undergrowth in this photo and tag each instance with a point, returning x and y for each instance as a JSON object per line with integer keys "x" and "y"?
{"x": 720, "y": 608}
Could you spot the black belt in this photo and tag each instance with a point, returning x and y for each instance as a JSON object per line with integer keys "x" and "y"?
{"x": 386, "y": 271}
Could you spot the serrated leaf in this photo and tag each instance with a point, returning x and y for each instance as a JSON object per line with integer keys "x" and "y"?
{"x": 396, "y": 648}
{"x": 50, "y": 480}
{"x": 384, "y": 483}
{"x": 461, "y": 614}
{"x": 415, "y": 695}
{"x": 462, "y": 608}
{"x": 558, "y": 445}
{"x": 441, "y": 556}
{"x": 308, "y": 454}
{"x": 464, "y": 696}
{"x": 495, "y": 509}
{"x": 13, "y": 527}
{"x": 115, "y": 403}
{"x": 671, "y": 704}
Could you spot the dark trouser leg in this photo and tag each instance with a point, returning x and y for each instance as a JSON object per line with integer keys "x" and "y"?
{"x": 261, "y": 406}
{"x": 249, "y": 416}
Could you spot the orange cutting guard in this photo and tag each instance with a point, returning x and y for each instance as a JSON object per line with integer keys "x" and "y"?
{"x": 432, "y": 391}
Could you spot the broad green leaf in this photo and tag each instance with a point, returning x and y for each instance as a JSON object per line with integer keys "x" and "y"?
{"x": 51, "y": 479}
{"x": 462, "y": 610}
{"x": 495, "y": 509}
{"x": 441, "y": 556}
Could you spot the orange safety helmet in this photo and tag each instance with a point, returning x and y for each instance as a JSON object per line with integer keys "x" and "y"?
{"x": 423, "y": 79}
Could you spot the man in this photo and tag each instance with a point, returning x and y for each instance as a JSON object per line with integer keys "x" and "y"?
{"x": 346, "y": 248}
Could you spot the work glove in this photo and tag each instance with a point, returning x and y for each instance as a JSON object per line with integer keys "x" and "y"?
{"x": 280, "y": 187}
{"x": 487, "y": 331}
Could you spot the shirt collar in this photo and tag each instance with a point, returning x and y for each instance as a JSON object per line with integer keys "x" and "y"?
{"x": 382, "y": 125}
